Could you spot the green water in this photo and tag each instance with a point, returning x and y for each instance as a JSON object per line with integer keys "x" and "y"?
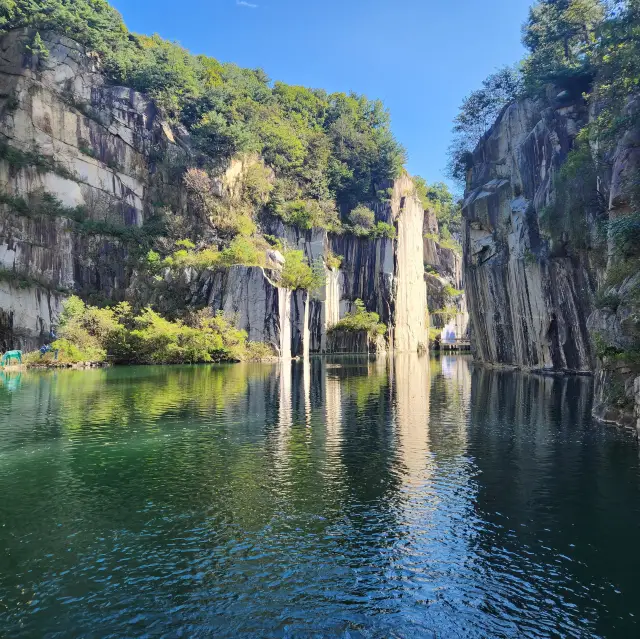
{"x": 343, "y": 498}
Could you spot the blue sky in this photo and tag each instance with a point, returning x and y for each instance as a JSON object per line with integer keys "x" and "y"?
{"x": 421, "y": 57}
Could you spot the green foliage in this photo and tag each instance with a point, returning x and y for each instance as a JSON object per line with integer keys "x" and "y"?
{"x": 445, "y": 240}
{"x": 619, "y": 270}
{"x": 93, "y": 22}
{"x": 19, "y": 159}
{"x": 576, "y": 194}
{"x": 603, "y": 348}
{"x": 257, "y": 184}
{"x": 529, "y": 257}
{"x": 624, "y": 232}
{"x": 90, "y": 334}
{"x": 298, "y": 274}
{"x": 83, "y": 332}
{"x": 362, "y": 220}
{"x": 332, "y": 147}
{"x": 274, "y": 242}
{"x": 361, "y": 320}
{"x": 257, "y": 352}
{"x": 438, "y": 198}
{"x": 382, "y": 229}
{"x": 477, "y": 113}
{"x": 42, "y": 203}
{"x": 153, "y": 261}
{"x": 586, "y": 47}
{"x": 447, "y": 313}
{"x": 561, "y": 36}
{"x": 450, "y": 292}
{"x": 451, "y": 244}
{"x": 23, "y": 280}
{"x": 231, "y": 218}
{"x": 208, "y": 338}
{"x": 38, "y": 48}
{"x": 308, "y": 214}
{"x": 185, "y": 258}
{"x": 607, "y": 299}
{"x": 333, "y": 261}
{"x": 244, "y": 251}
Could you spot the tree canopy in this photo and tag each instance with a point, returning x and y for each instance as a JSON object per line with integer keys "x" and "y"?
{"x": 324, "y": 147}
{"x": 588, "y": 47}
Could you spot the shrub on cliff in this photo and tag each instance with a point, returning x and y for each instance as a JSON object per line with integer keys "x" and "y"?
{"x": 362, "y": 220}
{"x": 382, "y": 229}
{"x": 90, "y": 334}
{"x": 335, "y": 147}
{"x": 361, "y": 320}
{"x": 242, "y": 251}
{"x": 308, "y": 214}
{"x": 298, "y": 274}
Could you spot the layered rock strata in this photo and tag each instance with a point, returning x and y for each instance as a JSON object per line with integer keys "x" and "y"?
{"x": 538, "y": 295}
{"x": 85, "y": 167}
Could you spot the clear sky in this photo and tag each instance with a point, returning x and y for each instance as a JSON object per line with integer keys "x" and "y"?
{"x": 421, "y": 57}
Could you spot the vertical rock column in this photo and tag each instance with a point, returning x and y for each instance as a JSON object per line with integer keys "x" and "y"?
{"x": 410, "y": 329}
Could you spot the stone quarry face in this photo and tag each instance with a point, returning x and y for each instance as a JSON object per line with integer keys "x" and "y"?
{"x": 532, "y": 305}
{"x": 102, "y": 146}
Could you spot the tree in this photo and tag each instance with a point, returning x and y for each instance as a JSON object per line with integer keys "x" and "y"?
{"x": 561, "y": 36}
{"x": 477, "y": 113}
{"x": 335, "y": 150}
{"x": 297, "y": 274}
{"x": 362, "y": 219}
{"x": 438, "y": 198}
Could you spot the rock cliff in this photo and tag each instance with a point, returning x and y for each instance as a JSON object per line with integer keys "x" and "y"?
{"x": 446, "y": 298}
{"x": 536, "y": 267}
{"x": 66, "y": 135}
{"x": 91, "y": 177}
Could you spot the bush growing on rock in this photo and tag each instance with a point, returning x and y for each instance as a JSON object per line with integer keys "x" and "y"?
{"x": 308, "y": 214}
{"x": 361, "y": 320}
{"x": 362, "y": 219}
{"x": 382, "y": 229}
{"x": 90, "y": 334}
{"x": 298, "y": 274}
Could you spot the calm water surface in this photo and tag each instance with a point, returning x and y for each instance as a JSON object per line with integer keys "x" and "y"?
{"x": 342, "y": 498}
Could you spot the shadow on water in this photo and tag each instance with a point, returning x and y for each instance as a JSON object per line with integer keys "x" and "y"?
{"x": 346, "y": 497}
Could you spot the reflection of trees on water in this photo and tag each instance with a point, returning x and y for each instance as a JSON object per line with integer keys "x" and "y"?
{"x": 552, "y": 487}
{"x": 332, "y": 453}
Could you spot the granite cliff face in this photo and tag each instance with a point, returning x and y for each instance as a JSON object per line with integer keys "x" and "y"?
{"x": 67, "y": 135}
{"x": 533, "y": 281}
{"x": 446, "y": 298}
{"x": 86, "y": 169}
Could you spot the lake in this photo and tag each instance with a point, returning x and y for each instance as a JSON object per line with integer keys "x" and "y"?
{"x": 404, "y": 497}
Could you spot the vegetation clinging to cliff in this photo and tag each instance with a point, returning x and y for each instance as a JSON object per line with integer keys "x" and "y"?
{"x": 438, "y": 198}
{"x": 477, "y": 113}
{"x": 582, "y": 47}
{"x": 322, "y": 147}
{"x": 359, "y": 319}
{"x": 90, "y": 334}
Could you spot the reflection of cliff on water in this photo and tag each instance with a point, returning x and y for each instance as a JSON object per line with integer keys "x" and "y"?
{"x": 548, "y": 477}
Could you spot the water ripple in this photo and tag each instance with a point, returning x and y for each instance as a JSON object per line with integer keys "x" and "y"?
{"x": 345, "y": 498}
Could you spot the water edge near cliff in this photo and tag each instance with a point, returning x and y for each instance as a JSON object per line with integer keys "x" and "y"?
{"x": 336, "y": 497}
